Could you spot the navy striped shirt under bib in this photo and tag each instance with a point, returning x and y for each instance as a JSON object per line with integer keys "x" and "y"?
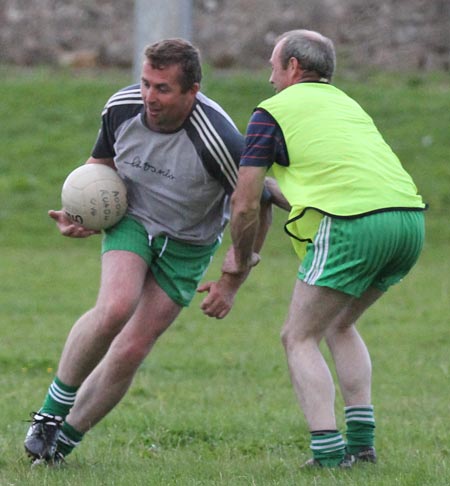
{"x": 178, "y": 183}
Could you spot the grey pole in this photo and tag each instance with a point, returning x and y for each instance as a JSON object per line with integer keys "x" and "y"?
{"x": 159, "y": 19}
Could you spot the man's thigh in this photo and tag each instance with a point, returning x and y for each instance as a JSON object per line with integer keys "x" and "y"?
{"x": 122, "y": 278}
{"x": 313, "y": 309}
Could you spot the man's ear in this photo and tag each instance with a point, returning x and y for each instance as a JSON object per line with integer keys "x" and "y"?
{"x": 293, "y": 63}
{"x": 195, "y": 88}
{"x": 294, "y": 68}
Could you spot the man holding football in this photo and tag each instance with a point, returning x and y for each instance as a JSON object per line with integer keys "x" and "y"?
{"x": 357, "y": 224}
{"x": 154, "y": 258}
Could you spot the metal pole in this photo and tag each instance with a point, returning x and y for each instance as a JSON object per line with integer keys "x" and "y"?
{"x": 159, "y": 19}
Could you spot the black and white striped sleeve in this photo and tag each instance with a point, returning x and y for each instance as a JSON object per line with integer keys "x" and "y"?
{"x": 217, "y": 141}
{"x": 123, "y": 105}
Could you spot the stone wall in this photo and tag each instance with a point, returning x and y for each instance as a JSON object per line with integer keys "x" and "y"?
{"x": 391, "y": 34}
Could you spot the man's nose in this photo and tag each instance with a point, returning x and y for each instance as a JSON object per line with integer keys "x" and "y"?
{"x": 150, "y": 94}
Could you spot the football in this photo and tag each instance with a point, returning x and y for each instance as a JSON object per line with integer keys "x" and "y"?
{"x": 94, "y": 196}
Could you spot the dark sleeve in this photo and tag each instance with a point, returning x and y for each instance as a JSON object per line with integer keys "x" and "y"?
{"x": 218, "y": 143}
{"x": 104, "y": 145}
{"x": 123, "y": 105}
{"x": 264, "y": 142}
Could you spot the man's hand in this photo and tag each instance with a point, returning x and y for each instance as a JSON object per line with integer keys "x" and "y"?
{"x": 231, "y": 266}
{"x": 68, "y": 228}
{"x": 221, "y": 294}
{"x": 276, "y": 196}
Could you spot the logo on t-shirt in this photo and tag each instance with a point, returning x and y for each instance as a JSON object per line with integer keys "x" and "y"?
{"x": 137, "y": 163}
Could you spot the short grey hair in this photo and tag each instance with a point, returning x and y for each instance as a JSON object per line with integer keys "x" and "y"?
{"x": 314, "y": 51}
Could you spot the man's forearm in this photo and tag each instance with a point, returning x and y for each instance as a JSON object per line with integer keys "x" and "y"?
{"x": 244, "y": 232}
{"x": 264, "y": 223}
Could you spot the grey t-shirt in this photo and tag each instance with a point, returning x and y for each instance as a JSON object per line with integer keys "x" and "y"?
{"x": 177, "y": 183}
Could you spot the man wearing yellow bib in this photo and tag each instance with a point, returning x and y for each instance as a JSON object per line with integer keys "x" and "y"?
{"x": 356, "y": 222}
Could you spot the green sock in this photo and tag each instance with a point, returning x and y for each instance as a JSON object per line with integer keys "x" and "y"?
{"x": 360, "y": 423}
{"x": 328, "y": 447}
{"x": 68, "y": 439}
{"x": 59, "y": 399}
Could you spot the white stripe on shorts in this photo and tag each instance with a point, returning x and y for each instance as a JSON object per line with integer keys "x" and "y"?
{"x": 163, "y": 249}
{"x": 321, "y": 245}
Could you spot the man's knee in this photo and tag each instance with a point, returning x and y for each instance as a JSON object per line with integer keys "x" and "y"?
{"x": 291, "y": 336}
{"x": 284, "y": 336}
{"x": 130, "y": 351}
{"x": 111, "y": 317}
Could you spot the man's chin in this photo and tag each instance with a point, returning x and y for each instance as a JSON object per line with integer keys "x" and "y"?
{"x": 153, "y": 121}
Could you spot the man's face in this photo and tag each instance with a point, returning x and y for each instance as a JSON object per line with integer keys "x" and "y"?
{"x": 166, "y": 107}
{"x": 279, "y": 78}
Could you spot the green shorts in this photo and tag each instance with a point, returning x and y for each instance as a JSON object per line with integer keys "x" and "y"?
{"x": 177, "y": 267}
{"x": 354, "y": 254}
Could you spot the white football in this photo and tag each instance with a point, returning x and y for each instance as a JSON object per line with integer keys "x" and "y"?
{"x": 94, "y": 196}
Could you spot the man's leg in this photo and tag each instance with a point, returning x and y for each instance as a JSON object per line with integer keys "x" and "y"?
{"x": 311, "y": 312}
{"x": 354, "y": 370}
{"x": 350, "y": 354}
{"x": 123, "y": 275}
{"x": 110, "y": 380}
{"x": 169, "y": 285}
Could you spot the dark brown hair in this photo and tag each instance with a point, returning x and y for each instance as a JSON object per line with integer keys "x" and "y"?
{"x": 169, "y": 52}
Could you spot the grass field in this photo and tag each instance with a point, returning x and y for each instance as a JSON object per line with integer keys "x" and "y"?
{"x": 213, "y": 405}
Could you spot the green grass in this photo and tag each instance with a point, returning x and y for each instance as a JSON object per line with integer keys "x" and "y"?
{"x": 213, "y": 405}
